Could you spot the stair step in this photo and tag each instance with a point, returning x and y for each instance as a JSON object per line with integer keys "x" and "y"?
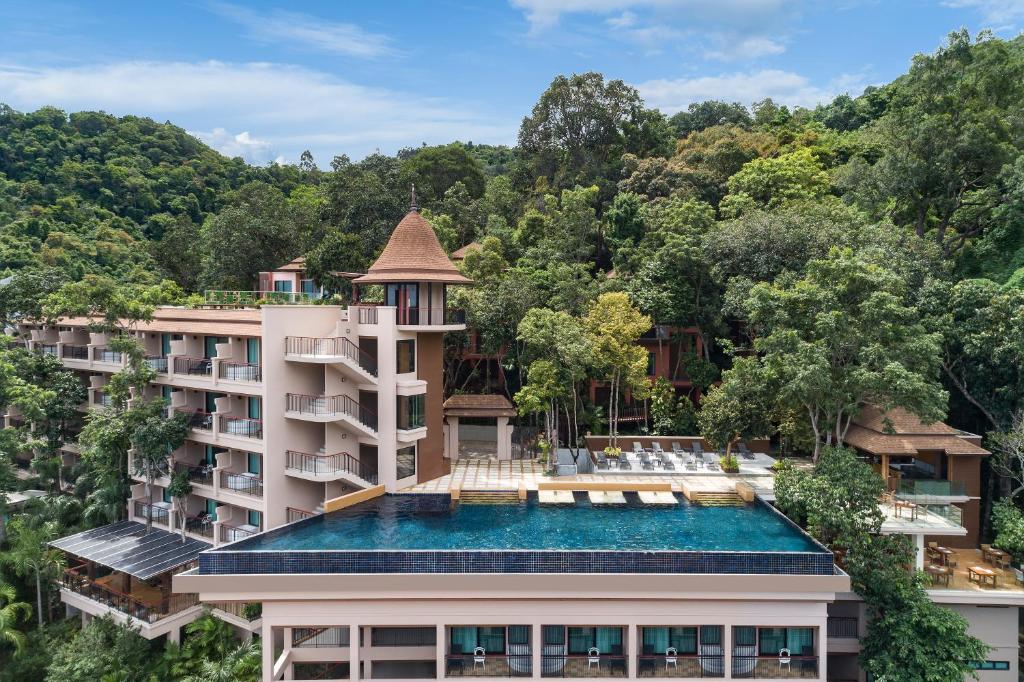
{"x": 489, "y": 497}
{"x": 717, "y": 499}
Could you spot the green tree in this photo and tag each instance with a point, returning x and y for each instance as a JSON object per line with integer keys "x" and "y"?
{"x": 179, "y": 490}
{"x": 102, "y": 648}
{"x": 11, "y": 611}
{"x": 739, "y": 407}
{"x": 241, "y": 664}
{"x": 434, "y": 170}
{"x": 614, "y": 326}
{"x": 797, "y": 176}
{"x": 670, "y": 414}
{"x": 31, "y": 556}
{"x": 701, "y": 115}
{"x": 153, "y": 441}
{"x": 1008, "y": 524}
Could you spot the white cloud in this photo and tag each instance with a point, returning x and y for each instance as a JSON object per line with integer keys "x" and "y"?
{"x": 303, "y": 31}
{"x": 784, "y": 87}
{"x": 282, "y": 109}
{"x": 745, "y": 48}
{"x": 624, "y": 20}
{"x": 999, "y": 14}
{"x": 546, "y": 13}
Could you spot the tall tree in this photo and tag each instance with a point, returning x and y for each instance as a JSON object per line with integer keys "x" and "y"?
{"x": 153, "y": 441}
{"x": 31, "y": 556}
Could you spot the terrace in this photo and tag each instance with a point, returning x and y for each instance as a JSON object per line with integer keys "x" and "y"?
{"x": 955, "y": 571}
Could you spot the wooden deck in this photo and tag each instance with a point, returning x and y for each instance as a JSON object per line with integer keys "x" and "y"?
{"x": 964, "y": 558}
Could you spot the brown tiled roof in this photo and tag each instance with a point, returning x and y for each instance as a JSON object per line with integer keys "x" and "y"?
{"x": 896, "y": 444}
{"x": 297, "y": 265}
{"x": 479, "y": 405}
{"x": 900, "y": 421}
{"x": 413, "y": 254}
{"x": 171, "y": 320}
{"x": 460, "y": 253}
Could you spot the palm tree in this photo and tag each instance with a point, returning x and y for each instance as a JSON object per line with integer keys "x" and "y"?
{"x": 241, "y": 664}
{"x": 10, "y": 613}
{"x": 31, "y": 555}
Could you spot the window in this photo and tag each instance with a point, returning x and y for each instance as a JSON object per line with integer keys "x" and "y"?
{"x": 167, "y": 495}
{"x": 253, "y": 461}
{"x": 406, "y": 462}
{"x": 989, "y": 665}
{"x": 406, "y": 356}
{"x": 403, "y": 636}
{"x": 254, "y": 407}
{"x": 650, "y": 363}
{"x": 685, "y": 640}
{"x": 753, "y": 641}
{"x": 308, "y": 286}
{"x": 283, "y": 285}
{"x": 410, "y": 412}
{"x": 165, "y": 393}
{"x": 606, "y": 640}
{"x": 211, "y": 401}
{"x": 211, "y": 509}
{"x": 210, "y": 456}
{"x": 255, "y": 519}
{"x": 210, "y": 345}
{"x": 252, "y": 351}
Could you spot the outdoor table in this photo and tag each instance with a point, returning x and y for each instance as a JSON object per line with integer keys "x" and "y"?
{"x": 993, "y": 555}
{"x": 981, "y": 575}
{"x": 900, "y": 506}
{"x": 939, "y": 573}
{"x": 944, "y": 553}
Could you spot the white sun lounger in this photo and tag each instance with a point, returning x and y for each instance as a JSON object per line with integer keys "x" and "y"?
{"x": 555, "y": 497}
{"x": 606, "y": 497}
{"x": 657, "y": 497}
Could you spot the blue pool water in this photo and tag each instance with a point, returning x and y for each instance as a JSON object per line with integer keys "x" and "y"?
{"x": 426, "y": 522}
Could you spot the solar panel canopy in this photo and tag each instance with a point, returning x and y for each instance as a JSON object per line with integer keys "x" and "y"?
{"x": 126, "y": 546}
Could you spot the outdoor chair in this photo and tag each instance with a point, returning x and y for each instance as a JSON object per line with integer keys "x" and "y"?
{"x": 671, "y": 658}
{"x": 479, "y": 657}
{"x": 691, "y": 464}
{"x": 698, "y": 449}
{"x": 784, "y": 659}
{"x": 593, "y": 657}
{"x": 678, "y": 449}
{"x": 645, "y": 461}
{"x": 656, "y": 448}
{"x": 711, "y": 463}
{"x": 637, "y": 448}
{"x": 602, "y": 462}
{"x": 624, "y": 463}
{"x": 745, "y": 452}
{"x": 668, "y": 464}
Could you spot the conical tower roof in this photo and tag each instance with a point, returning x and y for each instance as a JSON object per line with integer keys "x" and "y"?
{"x": 413, "y": 254}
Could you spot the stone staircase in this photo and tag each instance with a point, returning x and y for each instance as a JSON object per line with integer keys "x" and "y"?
{"x": 489, "y": 497}
{"x": 717, "y": 499}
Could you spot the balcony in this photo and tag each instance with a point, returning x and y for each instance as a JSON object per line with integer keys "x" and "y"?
{"x": 489, "y": 665}
{"x": 200, "y": 526}
{"x": 102, "y": 354}
{"x": 199, "y": 420}
{"x": 681, "y": 665}
{"x": 239, "y": 371}
{"x": 143, "y": 603}
{"x": 930, "y": 490}
{"x": 233, "y": 533}
{"x": 72, "y": 352}
{"x": 48, "y": 349}
{"x": 196, "y": 367}
{"x": 330, "y": 349}
{"x": 250, "y": 612}
{"x": 319, "y": 637}
{"x": 325, "y": 408}
{"x": 842, "y": 627}
{"x": 161, "y": 514}
{"x": 775, "y": 667}
{"x": 235, "y": 299}
{"x": 583, "y": 665}
{"x": 157, "y": 363}
{"x": 295, "y": 514}
{"x": 245, "y": 427}
{"x": 242, "y": 483}
{"x": 430, "y": 317}
{"x": 202, "y": 474}
{"x": 321, "y": 467}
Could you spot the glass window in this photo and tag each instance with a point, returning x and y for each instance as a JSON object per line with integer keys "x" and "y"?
{"x": 650, "y": 363}
{"x": 252, "y": 351}
{"x": 406, "y": 356}
{"x": 211, "y": 509}
{"x": 772, "y": 641}
{"x": 165, "y": 344}
{"x": 210, "y": 345}
{"x": 554, "y": 635}
{"x": 254, "y": 518}
{"x": 308, "y": 286}
{"x": 211, "y": 400}
{"x": 253, "y": 461}
{"x": 283, "y": 285}
{"x": 254, "y": 407}
{"x": 411, "y": 412}
{"x": 167, "y": 495}
{"x": 989, "y": 665}
{"x": 165, "y": 393}
{"x": 608, "y": 640}
{"x": 744, "y": 636}
{"x": 406, "y": 462}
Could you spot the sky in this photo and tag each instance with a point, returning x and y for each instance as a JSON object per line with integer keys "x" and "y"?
{"x": 267, "y": 80}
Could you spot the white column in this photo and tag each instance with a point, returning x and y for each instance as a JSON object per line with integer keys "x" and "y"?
{"x": 441, "y": 651}
{"x": 353, "y": 652}
{"x": 632, "y": 650}
{"x": 453, "y": 437}
{"x": 823, "y": 649}
{"x": 727, "y": 650}
{"x": 504, "y": 439}
{"x": 919, "y": 558}
{"x": 174, "y": 635}
{"x": 536, "y": 647}
{"x": 267, "y": 648}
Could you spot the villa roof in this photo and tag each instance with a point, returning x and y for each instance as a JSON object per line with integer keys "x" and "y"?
{"x": 899, "y": 432}
{"x": 413, "y": 254}
{"x": 478, "y": 405}
{"x": 297, "y": 265}
{"x": 460, "y": 253}
{"x": 125, "y": 546}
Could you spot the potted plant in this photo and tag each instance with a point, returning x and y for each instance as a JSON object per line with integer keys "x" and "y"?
{"x": 612, "y": 451}
{"x": 729, "y": 463}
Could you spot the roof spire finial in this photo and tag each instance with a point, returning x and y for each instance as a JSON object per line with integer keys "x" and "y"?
{"x": 414, "y": 206}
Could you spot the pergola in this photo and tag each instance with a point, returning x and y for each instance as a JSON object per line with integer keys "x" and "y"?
{"x": 488, "y": 406}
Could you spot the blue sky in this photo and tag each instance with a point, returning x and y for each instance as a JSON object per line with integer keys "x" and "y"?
{"x": 266, "y": 80}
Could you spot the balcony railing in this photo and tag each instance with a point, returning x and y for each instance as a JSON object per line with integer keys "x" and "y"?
{"x": 247, "y": 611}
{"x": 367, "y": 315}
{"x": 319, "y": 637}
{"x": 232, "y": 533}
{"x": 241, "y": 426}
{"x": 157, "y": 363}
{"x": 100, "y": 398}
{"x": 161, "y": 515}
{"x": 75, "y": 580}
{"x": 431, "y": 316}
{"x": 331, "y": 405}
{"x": 489, "y": 665}
{"x": 106, "y": 355}
{"x": 923, "y": 488}
{"x": 603, "y": 665}
{"x": 48, "y": 349}
{"x": 70, "y": 352}
{"x": 202, "y": 527}
{"x": 330, "y": 347}
{"x": 246, "y": 484}
{"x": 329, "y": 464}
{"x": 239, "y": 371}
{"x": 295, "y": 514}
{"x": 775, "y": 667}
{"x": 202, "y": 474}
{"x": 842, "y": 627}
{"x": 242, "y": 298}
{"x": 201, "y": 367}
{"x": 198, "y": 419}
{"x": 681, "y": 665}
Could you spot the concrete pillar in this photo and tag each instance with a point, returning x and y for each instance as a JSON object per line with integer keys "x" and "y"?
{"x": 267, "y": 649}
{"x": 453, "y": 437}
{"x": 536, "y": 648}
{"x": 353, "y": 652}
{"x": 174, "y": 635}
{"x": 919, "y": 552}
{"x": 441, "y": 651}
{"x": 632, "y": 649}
{"x": 823, "y": 649}
{"x": 504, "y": 439}
{"x": 727, "y": 650}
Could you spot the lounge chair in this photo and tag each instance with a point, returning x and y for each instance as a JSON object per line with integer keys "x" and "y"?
{"x": 602, "y": 461}
{"x": 691, "y": 464}
{"x": 668, "y": 464}
{"x": 678, "y": 449}
{"x": 637, "y": 448}
{"x": 624, "y": 463}
{"x": 645, "y": 461}
{"x": 656, "y": 448}
{"x": 698, "y": 449}
{"x": 711, "y": 462}
{"x": 745, "y": 452}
